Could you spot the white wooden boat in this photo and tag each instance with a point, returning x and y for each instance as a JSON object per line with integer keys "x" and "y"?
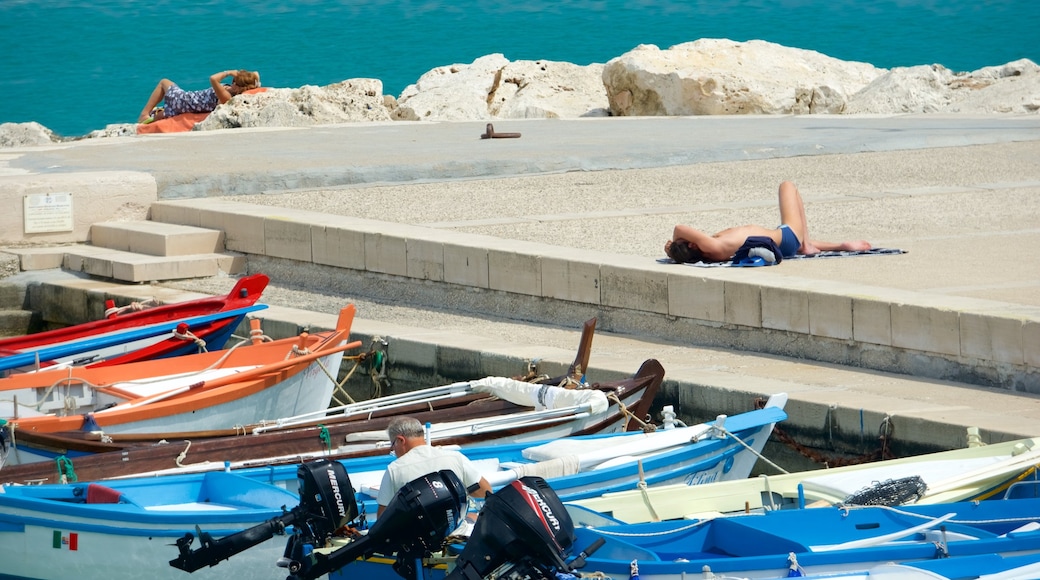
{"x": 962, "y": 474}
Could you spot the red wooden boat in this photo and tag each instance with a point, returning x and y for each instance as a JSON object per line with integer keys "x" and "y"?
{"x": 157, "y": 332}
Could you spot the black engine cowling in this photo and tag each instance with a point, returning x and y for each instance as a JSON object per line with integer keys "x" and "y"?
{"x": 420, "y": 516}
{"x": 523, "y": 531}
{"x": 326, "y": 503}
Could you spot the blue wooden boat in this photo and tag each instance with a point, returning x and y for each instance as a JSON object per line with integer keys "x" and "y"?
{"x": 532, "y": 535}
{"x": 127, "y": 529}
{"x": 525, "y": 531}
{"x": 588, "y": 465}
{"x": 141, "y": 523}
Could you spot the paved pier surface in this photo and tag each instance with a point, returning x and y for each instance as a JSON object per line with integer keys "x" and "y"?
{"x": 961, "y": 194}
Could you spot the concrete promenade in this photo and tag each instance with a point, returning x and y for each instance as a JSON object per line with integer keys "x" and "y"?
{"x": 961, "y": 194}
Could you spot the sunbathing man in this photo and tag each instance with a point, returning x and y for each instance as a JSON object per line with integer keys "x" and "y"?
{"x": 792, "y": 237}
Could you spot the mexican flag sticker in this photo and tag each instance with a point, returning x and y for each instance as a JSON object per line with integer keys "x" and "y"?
{"x": 70, "y": 542}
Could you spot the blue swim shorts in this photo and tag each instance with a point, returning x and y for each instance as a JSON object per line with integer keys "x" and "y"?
{"x": 789, "y": 243}
{"x": 178, "y": 101}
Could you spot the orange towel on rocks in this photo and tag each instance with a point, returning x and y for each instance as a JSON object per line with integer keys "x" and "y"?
{"x": 175, "y": 124}
{"x": 182, "y": 122}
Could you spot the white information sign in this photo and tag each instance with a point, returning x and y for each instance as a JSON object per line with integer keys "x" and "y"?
{"x": 48, "y": 212}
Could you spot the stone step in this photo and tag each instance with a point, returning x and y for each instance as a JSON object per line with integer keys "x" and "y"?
{"x": 127, "y": 266}
{"x": 40, "y": 258}
{"x": 134, "y": 267}
{"x": 12, "y": 296}
{"x": 156, "y": 238}
{"x": 15, "y": 322}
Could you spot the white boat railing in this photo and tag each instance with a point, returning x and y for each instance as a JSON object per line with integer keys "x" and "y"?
{"x": 369, "y": 440}
{"x": 390, "y": 402}
{"x": 439, "y": 393}
{"x": 484, "y": 425}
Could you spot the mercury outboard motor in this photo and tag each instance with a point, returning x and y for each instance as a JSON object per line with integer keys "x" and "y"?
{"x": 420, "y": 516}
{"x": 326, "y": 504}
{"x": 523, "y": 532}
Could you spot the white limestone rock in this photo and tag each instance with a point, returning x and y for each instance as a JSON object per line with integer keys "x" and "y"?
{"x": 915, "y": 89}
{"x": 114, "y": 130}
{"x": 348, "y": 101}
{"x": 451, "y": 93}
{"x": 544, "y": 89}
{"x": 26, "y": 135}
{"x": 1011, "y": 88}
{"x": 724, "y": 77}
{"x": 492, "y": 87}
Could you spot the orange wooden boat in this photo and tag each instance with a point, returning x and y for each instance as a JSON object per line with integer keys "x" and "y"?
{"x": 213, "y": 390}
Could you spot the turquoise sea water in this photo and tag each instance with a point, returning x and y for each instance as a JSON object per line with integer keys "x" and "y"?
{"x": 78, "y": 66}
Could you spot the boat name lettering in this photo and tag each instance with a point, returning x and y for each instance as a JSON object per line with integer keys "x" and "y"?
{"x": 702, "y": 477}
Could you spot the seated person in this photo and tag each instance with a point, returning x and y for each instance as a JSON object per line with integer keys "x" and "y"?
{"x": 178, "y": 101}
{"x": 415, "y": 459}
{"x": 792, "y": 237}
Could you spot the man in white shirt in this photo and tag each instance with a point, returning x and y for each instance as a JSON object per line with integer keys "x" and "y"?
{"x": 415, "y": 458}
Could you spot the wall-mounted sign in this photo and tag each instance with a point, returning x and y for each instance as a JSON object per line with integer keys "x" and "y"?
{"x": 48, "y": 212}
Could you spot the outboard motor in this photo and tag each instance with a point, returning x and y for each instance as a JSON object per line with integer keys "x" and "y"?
{"x": 326, "y": 504}
{"x": 522, "y": 532}
{"x": 420, "y": 516}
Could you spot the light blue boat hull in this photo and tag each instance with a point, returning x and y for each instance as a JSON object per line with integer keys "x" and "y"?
{"x": 981, "y": 538}
{"x": 61, "y": 531}
{"x": 136, "y": 540}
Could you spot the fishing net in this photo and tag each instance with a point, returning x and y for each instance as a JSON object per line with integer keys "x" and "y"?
{"x": 890, "y": 492}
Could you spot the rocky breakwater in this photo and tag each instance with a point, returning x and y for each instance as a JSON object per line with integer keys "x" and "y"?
{"x": 723, "y": 77}
{"x": 704, "y": 77}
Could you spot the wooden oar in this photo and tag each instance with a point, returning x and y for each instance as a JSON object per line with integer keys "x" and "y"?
{"x": 235, "y": 378}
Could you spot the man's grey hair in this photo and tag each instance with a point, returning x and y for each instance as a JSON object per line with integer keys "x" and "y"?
{"x": 407, "y": 426}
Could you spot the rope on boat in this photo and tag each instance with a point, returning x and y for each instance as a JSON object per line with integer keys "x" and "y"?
{"x": 375, "y": 362}
{"x": 609, "y": 532}
{"x": 340, "y": 390}
{"x": 883, "y": 452}
{"x": 1025, "y": 519}
{"x": 726, "y": 432}
{"x": 641, "y": 486}
{"x": 629, "y": 415}
{"x": 133, "y": 306}
{"x": 323, "y": 434}
{"x": 11, "y": 426}
{"x": 257, "y": 334}
{"x": 189, "y": 335}
{"x": 66, "y": 473}
{"x": 184, "y": 454}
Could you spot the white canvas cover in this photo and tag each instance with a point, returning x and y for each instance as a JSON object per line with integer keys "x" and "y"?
{"x": 541, "y": 397}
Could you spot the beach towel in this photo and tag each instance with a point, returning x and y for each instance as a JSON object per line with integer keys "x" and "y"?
{"x": 821, "y": 255}
{"x": 176, "y": 124}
